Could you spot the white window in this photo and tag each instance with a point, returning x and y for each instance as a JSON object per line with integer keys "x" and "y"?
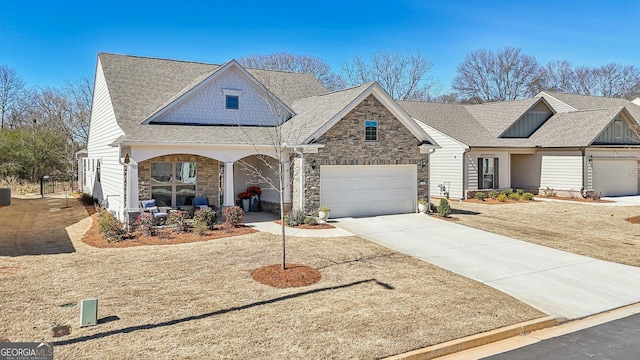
{"x": 488, "y": 173}
{"x": 173, "y": 183}
{"x": 370, "y": 130}
{"x": 617, "y": 129}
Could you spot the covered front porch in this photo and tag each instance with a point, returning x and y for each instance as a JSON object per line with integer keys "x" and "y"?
{"x": 174, "y": 176}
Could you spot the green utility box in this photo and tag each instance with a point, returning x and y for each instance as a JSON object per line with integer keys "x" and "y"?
{"x": 89, "y": 312}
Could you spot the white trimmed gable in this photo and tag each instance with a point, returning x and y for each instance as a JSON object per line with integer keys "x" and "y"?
{"x": 205, "y": 103}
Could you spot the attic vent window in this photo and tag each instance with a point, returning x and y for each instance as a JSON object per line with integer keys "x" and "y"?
{"x": 231, "y": 99}
{"x": 617, "y": 129}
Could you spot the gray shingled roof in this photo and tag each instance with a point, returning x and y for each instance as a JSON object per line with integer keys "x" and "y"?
{"x": 481, "y": 125}
{"x": 138, "y": 86}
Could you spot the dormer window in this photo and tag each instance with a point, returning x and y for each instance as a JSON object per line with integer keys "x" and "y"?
{"x": 231, "y": 99}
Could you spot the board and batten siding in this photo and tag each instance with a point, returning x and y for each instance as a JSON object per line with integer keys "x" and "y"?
{"x": 103, "y": 131}
{"x": 526, "y": 125}
{"x": 207, "y": 105}
{"x": 607, "y": 136}
{"x": 446, "y": 164}
{"x": 561, "y": 172}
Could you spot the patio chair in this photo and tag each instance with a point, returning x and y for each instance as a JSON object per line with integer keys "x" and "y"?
{"x": 149, "y": 206}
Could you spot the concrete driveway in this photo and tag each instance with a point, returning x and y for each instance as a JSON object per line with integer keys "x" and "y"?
{"x": 558, "y": 283}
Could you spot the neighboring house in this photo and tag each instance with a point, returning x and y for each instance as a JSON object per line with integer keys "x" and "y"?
{"x": 172, "y": 130}
{"x": 568, "y": 143}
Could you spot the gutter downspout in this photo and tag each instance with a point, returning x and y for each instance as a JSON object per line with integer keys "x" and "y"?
{"x": 301, "y": 153}
{"x": 584, "y": 173}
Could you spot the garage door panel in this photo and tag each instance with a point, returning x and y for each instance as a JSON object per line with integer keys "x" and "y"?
{"x": 615, "y": 177}
{"x": 365, "y": 190}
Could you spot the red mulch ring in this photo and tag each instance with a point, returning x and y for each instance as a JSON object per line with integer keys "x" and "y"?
{"x": 307, "y": 226}
{"x": 167, "y": 236}
{"x": 294, "y": 275}
{"x": 634, "y": 219}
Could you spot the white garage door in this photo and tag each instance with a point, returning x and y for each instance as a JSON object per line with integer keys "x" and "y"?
{"x": 615, "y": 177}
{"x": 366, "y": 190}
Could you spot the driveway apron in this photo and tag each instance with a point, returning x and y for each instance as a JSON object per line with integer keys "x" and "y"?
{"x": 559, "y": 283}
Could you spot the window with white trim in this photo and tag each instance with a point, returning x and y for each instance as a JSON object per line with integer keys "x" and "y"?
{"x": 370, "y": 130}
{"x": 173, "y": 183}
{"x": 231, "y": 99}
{"x": 617, "y": 129}
{"x": 488, "y": 173}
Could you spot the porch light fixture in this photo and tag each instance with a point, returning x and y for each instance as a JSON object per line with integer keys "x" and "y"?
{"x": 422, "y": 163}
{"x": 127, "y": 159}
{"x": 313, "y": 164}
{"x": 590, "y": 158}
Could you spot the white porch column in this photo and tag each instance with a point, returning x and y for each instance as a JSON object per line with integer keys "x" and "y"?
{"x": 229, "y": 196}
{"x": 132, "y": 187}
{"x": 287, "y": 181}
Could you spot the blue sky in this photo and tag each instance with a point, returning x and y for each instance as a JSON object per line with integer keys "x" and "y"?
{"x": 49, "y": 42}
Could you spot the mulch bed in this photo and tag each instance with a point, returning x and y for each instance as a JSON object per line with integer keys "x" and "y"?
{"x": 94, "y": 238}
{"x": 450, "y": 218}
{"x": 309, "y": 227}
{"x": 579, "y": 199}
{"x": 634, "y": 219}
{"x": 490, "y": 201}
{"x": 294, "y": 275}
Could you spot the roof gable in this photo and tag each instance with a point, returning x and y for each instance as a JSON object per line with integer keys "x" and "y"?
{"x": 203, "y": 101}
{"x": 530, "y": 121}
{"x": 619, "y": 131}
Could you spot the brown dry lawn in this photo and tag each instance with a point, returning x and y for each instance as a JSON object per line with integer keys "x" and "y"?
{"x": 593, "y": 230}
{"x": 198, "y": 300}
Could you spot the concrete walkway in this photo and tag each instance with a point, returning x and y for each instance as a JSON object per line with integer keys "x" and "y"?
{"x": 264, "y": 221}
{"x": 558, "y": 283}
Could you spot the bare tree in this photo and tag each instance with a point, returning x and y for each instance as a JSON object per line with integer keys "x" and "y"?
{"x": 402, "y": 74}
{"x": 616, "y": 80}
{"x": 284, "y": 61}
{"x": 555, "y": 76}
{"x": 11, "y": 85}
{"x": 507, "y": 74}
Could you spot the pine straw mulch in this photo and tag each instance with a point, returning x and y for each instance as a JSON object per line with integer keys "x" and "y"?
{"x": 308, "y": 226}
{"x": 490, "y": 201}
{"x": 165, "y": 236}
{"x": 293, "y": 275}
{"x": 578, "y": 199}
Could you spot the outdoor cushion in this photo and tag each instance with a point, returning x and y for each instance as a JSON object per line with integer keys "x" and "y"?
{"x": 200, "y": 201}
{"x": 146, "y": 204}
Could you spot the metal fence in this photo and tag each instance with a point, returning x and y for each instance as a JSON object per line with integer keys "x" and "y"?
{"x": 58, "y": 184}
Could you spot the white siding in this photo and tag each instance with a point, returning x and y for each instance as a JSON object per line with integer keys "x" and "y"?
{"x": 207, "y": 105}
{"x": 103, "y": 130}
{"x": 561, "y": 172}
{"x": 446, "y": 164}
{"x": 504, "y": 177}
{"x": 525, "y": 171}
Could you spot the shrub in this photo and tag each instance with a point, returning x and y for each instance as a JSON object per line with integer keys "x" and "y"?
{"x": 502, "y": 197}
{"x": 110, "y": 226}
{"x": 233, "y": 216}
{"x": 444, "y": 209}
{"x": 596, "y": 195}
{"x": 205, "y": 216}
{"x": 146, "y": 224}
{"x": 479, "y": 196}
{"x": 325, "y": 209}
{"x": 493, "y": 194}
{"x": 519, "y": 192}
{"x": 226, "y": 226}
{"x": 549, "y": 192}
{"x": 310, "y": 220}
{"x": 178, "y": 220}
{"x": 200, "y": 227}
{"x": 422, "y": 201}
{"x": 295, "y": 217}
{"x": 527, "y": 196}
{"x": 507, "y": 192}
{"x": 514, "y": 196}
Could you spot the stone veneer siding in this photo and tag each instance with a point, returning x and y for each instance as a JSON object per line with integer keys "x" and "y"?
{"x": 207, "y": 178}
{"x": 345, "y": 145}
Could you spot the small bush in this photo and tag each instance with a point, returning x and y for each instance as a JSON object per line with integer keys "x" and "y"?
{"x": 205, "y": 216}
{"x": 178, "y": 220}
{"x": 519, "y": 192}
{"x": 325, "y": 209}
{"x": 310, "y": 220}
{"x": 549, "y": 192}
{"x": 444, "y": 209}
{"x": 422, "y": 201}
{"x": 145, "y": 223}
{"x": 233, "y": 216}
{"x": 493, "y": 194}
{"x": 110, "y": 226}
{"x": 514, "y": 196}
{"x": 596, "y": 195}
{"x": 527, "y": 196}
{"x": 502, "y": 197}
{"x": 295, "y": 217}
{"x": 479, "y": 196}
{"x": 200, "y": 228}
{"x": 506, "y": 192}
